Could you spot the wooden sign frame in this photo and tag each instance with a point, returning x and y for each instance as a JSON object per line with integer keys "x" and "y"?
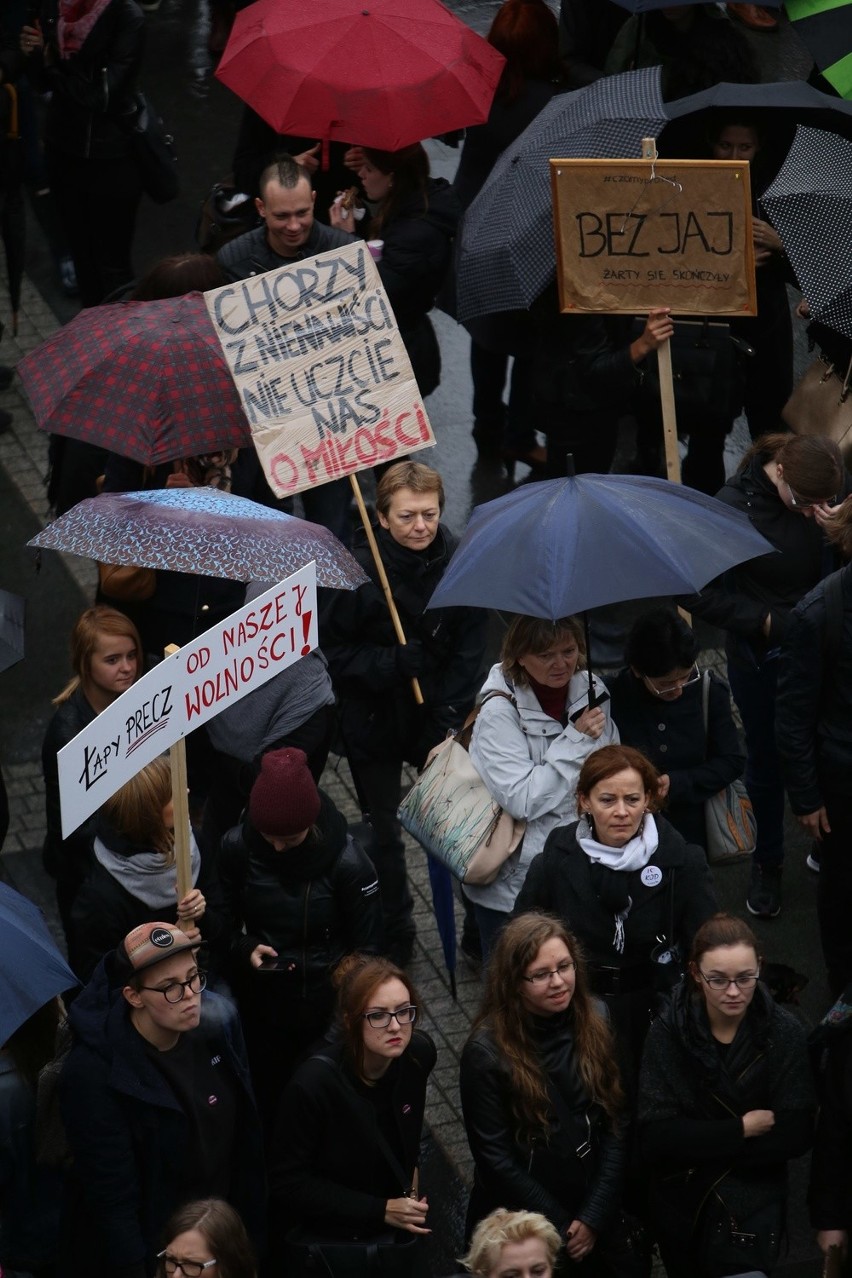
{"x": 706, "y": 205}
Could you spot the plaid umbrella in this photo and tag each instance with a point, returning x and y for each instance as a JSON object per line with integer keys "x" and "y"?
{"x": 145, "y": 380}
{"x": 825, "y": 29}
{"x": 383, "y": 75}
{"x": 507, "y": 255}
{"x": 200, "y": 530}
{"x": 810, "y": 205}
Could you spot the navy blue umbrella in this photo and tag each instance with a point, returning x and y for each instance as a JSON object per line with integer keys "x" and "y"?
{"x": 568, "y": 545}
{"x": 32, "y": 970}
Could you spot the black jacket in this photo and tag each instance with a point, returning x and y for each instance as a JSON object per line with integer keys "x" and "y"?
{"x": 379, "y": 717}
{"x": 66, "y": 860}
{"x": 564, "y": 881}
{"x": 543, "y": 1174}
{"x": 313, "y": 904}
{"x": 773, "y": 583}
{"x": 813, "y": 710}
{"x": 418, "y": 243}
{"x": 671, "y": 734}
{"x": 250, "y": 254}
{"x": 581, "y": 363}
{"x": 92, "y": 93}
{"x": 830, "y": 1195}
{"x": 126, "y": 1128}
{"x": 329, "y": 1173}
{"x": 104, "y": 910}
{"x": 692, "y": 1097}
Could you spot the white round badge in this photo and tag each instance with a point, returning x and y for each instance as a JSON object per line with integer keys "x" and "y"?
{"x": 652, "y": 875}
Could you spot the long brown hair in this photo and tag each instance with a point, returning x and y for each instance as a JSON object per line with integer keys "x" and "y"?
{"x": 356, "y": 978}
{"x": 88, "y": 628}
{"x": 812, "y": 464}
{"x": 409, "y": 169}
{"x": 503, "y": 1014}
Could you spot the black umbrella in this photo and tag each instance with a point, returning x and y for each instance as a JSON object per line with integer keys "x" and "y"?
{"x": 810, "y": 205}
{"x": 11, "y": 629}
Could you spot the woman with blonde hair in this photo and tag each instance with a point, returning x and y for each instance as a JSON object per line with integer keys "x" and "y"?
{"x": 516, "y": 1242}
{"x": 540, "y": 1092}
{"x": 529, "y": 741}
{"x": 134, "y": 878}
{"x": 106, "y": 657}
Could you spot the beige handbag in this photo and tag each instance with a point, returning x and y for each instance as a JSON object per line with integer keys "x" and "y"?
{"x": 821, "y": 404}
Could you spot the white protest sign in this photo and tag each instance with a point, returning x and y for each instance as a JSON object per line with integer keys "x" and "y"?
{"x": 185, "y": 690}
{"x": 323, "y": 375}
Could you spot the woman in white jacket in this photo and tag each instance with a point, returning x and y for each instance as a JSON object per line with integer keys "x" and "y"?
{"x": 529, "y": 745}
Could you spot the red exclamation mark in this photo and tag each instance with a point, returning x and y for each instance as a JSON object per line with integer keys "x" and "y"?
{"x": 306, "y": 625}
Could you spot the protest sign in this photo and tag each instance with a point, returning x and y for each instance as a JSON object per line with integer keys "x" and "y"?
{"x": 632, "y": 235}
{"x": 322, "y": 372}
{"x": 185, "y": 690}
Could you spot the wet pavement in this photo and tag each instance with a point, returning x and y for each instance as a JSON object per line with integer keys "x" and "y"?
{"x": 204, "y": 117}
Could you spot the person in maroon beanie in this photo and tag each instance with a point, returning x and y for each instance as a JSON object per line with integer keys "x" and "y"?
{"x": 301, "y": 895}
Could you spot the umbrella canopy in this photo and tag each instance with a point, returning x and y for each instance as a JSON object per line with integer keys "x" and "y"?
{"x": 645, "y": 6}
{"x": 146, "y": 380}
{"x": 11, "y": 629}
{"x": 32, "y": 970}
{"x": 200, "y": 530}
{"x": 825, "y": 29}
{"x": 810, "y": 205}
{"x": 567, "y": 545}
{"x": 507, "y": 254}
{"x": 382, "y": 74}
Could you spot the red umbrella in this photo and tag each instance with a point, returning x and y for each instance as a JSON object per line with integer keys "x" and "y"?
{"x": 146, "y": 380}
{"x": 381, "y": 73}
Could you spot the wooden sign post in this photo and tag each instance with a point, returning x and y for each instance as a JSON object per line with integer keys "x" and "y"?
{"x": 632, "y": 235}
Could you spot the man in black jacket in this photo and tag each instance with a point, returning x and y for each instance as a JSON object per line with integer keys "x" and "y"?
{"x": 813, "y": 725}
{"x": 157, "y": 1106}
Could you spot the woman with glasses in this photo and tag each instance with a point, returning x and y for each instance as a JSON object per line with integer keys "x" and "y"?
{"x": 725, "y": 1100}
{"x": 206, "y": 1239}
{"x": 629, "y": 887}
{"x": 782, "y": 481}
{"x": 343, "y": 1171}
{"x": 542, "y": 1103}
{"x": 529, "y": 741}
{"x": 658, "y": 704}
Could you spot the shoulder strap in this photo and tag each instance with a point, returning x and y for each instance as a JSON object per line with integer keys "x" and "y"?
{"x": 390, "y": 1157}
{"x": 465, "y": 732}
{"x": 705, "y": 703}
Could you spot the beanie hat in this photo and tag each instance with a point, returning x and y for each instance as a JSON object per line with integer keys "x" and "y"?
{"x": 284, "y": 799}
{"x": 148, "y": 944}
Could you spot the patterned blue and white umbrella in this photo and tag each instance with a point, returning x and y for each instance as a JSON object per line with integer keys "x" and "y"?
{"x": 810, "y": 206}
{"x": 200, "y": 530}
{"x": 507, "y": 255}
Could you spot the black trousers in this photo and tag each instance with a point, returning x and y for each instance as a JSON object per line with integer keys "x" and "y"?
{"x": 834, "y": 892}
{"x": 97, "y": 202}
{"x": 379, "y": 786}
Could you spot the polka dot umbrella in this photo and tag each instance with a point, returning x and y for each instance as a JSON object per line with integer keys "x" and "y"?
{"x": 810, "y": 206}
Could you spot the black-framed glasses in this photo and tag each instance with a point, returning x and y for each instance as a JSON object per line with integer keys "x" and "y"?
{"x": 562, "y": 970}
{"x": 403, "y": 1016}
{"x": 745, "y": 980}
{"x": 174, "y": 992}
{"x": 189, "y": 1268}
{"x": 800, "y": 503}
{"x": 679, "y": 684}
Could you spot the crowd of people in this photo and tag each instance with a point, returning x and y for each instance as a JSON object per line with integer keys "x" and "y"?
{"x": 237, "y": 1084}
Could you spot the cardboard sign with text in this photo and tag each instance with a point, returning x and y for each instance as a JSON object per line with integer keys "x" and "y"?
{"x": 322, "y": 372}
{"x": 625, "y": 243}
{"x": 215, "y": 670}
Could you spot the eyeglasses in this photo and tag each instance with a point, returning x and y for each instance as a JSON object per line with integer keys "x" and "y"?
{"x": 174, "y": 993}
{"x": 189, "y": 1268}
{"x": 693, "y": 677}
{"x": 403, "y": 1016}
{"x": 562, "y": 970}
{"x": 745, "y": 981}
{"x": 799, "y": 503}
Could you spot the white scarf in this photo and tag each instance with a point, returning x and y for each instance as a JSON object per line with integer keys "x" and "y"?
{"x": 635, "y": 854}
